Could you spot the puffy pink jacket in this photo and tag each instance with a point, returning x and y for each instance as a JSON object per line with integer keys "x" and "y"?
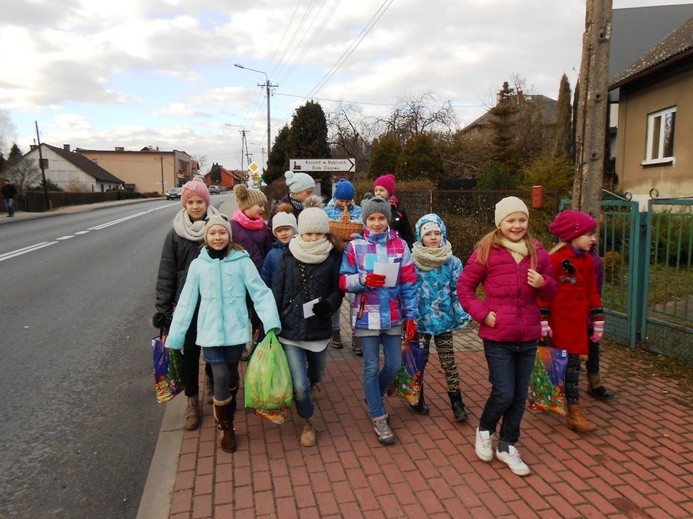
{"x": 507, "y": 293}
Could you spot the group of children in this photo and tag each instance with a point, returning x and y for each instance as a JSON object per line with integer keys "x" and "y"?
{"x": 396, "y": 288}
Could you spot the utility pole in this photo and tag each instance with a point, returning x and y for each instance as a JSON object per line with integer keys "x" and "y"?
{"x": 42, "y": 165}
{"x": 593, "y": 103}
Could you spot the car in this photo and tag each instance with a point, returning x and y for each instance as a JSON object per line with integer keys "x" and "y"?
{"x": 173, "y": 193}
{"x": 214, "y": 190}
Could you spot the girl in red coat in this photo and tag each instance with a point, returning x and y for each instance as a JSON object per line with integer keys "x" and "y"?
{"x": 514, "y": 270}
{"x": 577, "y": 300}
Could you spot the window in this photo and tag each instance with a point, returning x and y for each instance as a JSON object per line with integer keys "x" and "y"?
{"x": 660, "y": 136}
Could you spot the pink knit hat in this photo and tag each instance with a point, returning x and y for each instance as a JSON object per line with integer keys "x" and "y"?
{"x": 387, "y": 181}
{"x": 570, "y": 224}
{"x": 194, "y": 187}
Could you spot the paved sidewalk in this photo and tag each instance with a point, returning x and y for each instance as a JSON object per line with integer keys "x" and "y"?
{"x": 639, "y": 464}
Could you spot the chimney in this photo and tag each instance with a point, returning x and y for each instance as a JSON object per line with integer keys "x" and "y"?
{"x": 66, "y": 147}
{"x": 120, "y": 148}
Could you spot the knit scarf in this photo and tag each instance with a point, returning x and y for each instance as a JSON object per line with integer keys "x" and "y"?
{"x": 249, "y": 223}
{"x": 297, "y": 205}
{"x": 186, "y": 228}
{"x": 428, "y": 258}
{"x": 518, "y": 249}
{"x": 311, "y": 252}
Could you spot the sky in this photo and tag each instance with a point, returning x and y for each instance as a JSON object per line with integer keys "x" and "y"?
{"x": 98, "y": 74}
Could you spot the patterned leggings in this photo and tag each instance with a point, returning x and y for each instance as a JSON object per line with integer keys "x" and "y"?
{"x": 446, "y": 354}
{"x": 572, "y": 379}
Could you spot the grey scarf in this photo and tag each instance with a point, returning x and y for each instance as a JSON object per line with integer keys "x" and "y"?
{"x": 186, "y": 228}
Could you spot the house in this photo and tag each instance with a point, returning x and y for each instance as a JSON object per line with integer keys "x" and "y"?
{"x": 654, "y": 155}
{"x": 225, "y": 178}
{"x": 71, "y": 171}
{"x": 146, "y": 170}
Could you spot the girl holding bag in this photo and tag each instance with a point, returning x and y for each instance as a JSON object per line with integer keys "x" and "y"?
{"x": 221, "y": 278}
{"x": 306, "y": 290}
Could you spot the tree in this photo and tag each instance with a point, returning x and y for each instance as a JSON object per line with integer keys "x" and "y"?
{"x": 420, "y": 159}
{"x": 498, "y": 176}
{"x": 308, "y": 137}
{"x": 22, "y": 172}
{"x": 15, "y": 153}
{"x": 417, "y": 115}
{"x": 349, "y": 136}
{"x": 386, "y": 150}
{"x": 278, "y": 159}
{"x": 565, "y": 139}
{"x": 554, "y": 172}
{"x": 503, "y": 136}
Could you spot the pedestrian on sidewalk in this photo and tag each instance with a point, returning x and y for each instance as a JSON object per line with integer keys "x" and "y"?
{"x": 221, "y": 278}
{"x": 342, "y": 200}
{"x": 300, "y": 186}
{"x": 384, "y": 307}
{"x": 596, "y": 387}
{"x": 181, "y": 246}
{"x": 567, "y": 316}
{"x": 440, "y": 312}
{"x": 284, "y": 227}
{"x": 8, "y": 194}
{"x": 384, "y": 186}
{"x": 513, "y": 269}
{"x": 306, "y": 289}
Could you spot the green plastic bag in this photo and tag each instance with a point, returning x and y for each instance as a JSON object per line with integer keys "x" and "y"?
{"x": 268, "y": 387}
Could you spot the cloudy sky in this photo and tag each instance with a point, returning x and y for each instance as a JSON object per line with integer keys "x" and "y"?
{"x": 100, "y": 73}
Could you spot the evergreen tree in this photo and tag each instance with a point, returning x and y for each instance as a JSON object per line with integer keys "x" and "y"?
{"x": 503, "y": 136}
{"x": 308, "y": 137}
{"x": 565, "y": 140}
{"x": 3, "y": 162}
{"x": 386, "y": 151}
{"x": 15, "y": 153}
{"x": 420, "y": 159}
{"x": 278, "y": 159}
{"x": 498, "y": 176}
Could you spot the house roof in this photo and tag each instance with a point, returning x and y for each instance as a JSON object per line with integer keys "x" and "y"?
{"x": 88, "y": 166}
{"x": 676, "y": 46}
{"x": 546, "y": 105}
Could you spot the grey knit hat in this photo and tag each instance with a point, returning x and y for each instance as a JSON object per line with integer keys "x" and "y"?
{"x": 283, "y": 219}
{"x": 313, "y": 218}
{"x": 377, "y": 204}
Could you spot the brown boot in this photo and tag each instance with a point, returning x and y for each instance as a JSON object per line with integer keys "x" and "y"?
{"x": 193, "y": 416}
{"x": 577, "y": 420}
{"x": 223, "y": 417}
{"x": 308, "y": 434}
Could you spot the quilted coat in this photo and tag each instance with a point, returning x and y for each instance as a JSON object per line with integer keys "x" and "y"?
{"x": 506, "y": 293}
{"x": 386, "y": 307}
{"x": 258, "y": 243}
{"x": 221, "y": 286}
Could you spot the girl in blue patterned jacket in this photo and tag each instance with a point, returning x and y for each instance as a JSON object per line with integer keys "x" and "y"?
{"x": 440, "y": 312}
{"x": 382, "y": 304}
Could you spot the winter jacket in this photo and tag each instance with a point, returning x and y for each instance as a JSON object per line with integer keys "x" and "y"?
{"x": 334, "y": 212}
{"x": 269, "y": 266}
{"x": 290, "y": 294}
{"x": 386, "y": 307}
{"x": 258, "y": 243}
{"x": 222, "y": 286}
{"x": 577, "y": 298}
{"x": 176, "y": 256}
{"x": 506, "y": 293}
{"x": 439, "y": 308}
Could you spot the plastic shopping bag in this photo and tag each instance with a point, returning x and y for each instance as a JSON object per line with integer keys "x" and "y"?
{"x": 268, "y": 387}
{"x": 167, "y": 370}
{"x": 409, "y": 379}
{"x": 547, "y": 384}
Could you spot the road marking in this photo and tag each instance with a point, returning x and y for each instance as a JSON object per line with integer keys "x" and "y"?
{"x": 65, "y": 237}
{"x": 82, "y": 232}
{"x": 30, "y": 248}
{"x": 115, "y": 222}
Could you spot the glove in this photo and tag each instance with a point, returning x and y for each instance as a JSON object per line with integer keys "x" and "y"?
{"x": 598, "y": 331}
{"x": 546, "y": 330}
{"x": 375, "y": 280}
{"x": 322, "y": 309}
{"x": 159, "y": 320}
{"x": 410, "y": 330}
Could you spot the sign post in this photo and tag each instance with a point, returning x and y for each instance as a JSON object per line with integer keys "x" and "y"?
{"x": 335, "y": 165}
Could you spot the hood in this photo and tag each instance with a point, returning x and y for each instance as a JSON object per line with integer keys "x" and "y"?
{"x": 431, "y": 217}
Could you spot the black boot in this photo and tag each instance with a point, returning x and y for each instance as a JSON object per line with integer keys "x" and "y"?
{"x": 421, "y": 406}
{"x": 458, "y": 408}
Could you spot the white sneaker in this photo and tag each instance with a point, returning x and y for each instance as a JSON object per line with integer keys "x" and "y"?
{"x": 513, "y": 460}
{"x": 483, "y": 446}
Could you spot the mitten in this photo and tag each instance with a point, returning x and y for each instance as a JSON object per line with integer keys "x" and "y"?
{"x": 159, "y": 320}
{"x": 375, "y": 280}
{"x": 410, "y": 332}
{"x": 598, "y": 331}
{"x": 322, "y": 309}
{"x": 546, "y": 330}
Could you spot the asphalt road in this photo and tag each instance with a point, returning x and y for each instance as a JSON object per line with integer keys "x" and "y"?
{"x": 78, "y": 417}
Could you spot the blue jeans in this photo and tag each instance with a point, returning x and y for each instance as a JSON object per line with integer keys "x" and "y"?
{"x": 307, "y": 368}
{"x": 376, "y": 380}
{"x": 9, "y": 205}
{"x": 510, "y": 366}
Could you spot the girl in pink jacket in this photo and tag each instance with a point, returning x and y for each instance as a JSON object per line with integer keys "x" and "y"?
{"x": 514, "y": 269}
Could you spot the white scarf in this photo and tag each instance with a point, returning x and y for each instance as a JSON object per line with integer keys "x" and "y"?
{"x": 518, "y": 249}
{"x": 311, "y": 252}
{"x": 186, "y": 228}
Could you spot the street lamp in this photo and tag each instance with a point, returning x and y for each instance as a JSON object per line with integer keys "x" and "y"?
{"x": 267, "y": 86}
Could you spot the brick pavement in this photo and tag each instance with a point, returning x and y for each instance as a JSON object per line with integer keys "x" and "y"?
{"x": 638, "y": 464}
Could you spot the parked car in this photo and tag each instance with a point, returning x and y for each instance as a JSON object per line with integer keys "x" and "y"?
{"x": 173, "y": 193}
{"x": 214, "y": 190}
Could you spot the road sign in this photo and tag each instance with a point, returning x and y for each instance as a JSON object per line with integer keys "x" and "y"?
{"x": 253, "y": 167}
{"x": 340, "y": 165}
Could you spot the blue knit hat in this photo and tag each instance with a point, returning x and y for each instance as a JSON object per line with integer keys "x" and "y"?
{"x": 344, "y": 190}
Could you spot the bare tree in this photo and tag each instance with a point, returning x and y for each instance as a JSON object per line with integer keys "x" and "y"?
{"x": 23, "y": 173}
{"x": 350, "y": 135}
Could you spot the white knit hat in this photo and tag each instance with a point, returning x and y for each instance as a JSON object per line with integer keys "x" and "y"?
{"x": 282, "y": 219}
{"x": 313, "y": 218}
{"x": 429, "y": 227}
{"x": 297, "y": 182}
{"x": 217, "y": 219}
{"x": 509, "y": 205}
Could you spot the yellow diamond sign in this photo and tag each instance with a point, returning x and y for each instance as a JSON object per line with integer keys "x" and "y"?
{"x": 253, "y": 167}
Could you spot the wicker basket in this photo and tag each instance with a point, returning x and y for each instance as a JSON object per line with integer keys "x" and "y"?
{"x": 345, "y": 228}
